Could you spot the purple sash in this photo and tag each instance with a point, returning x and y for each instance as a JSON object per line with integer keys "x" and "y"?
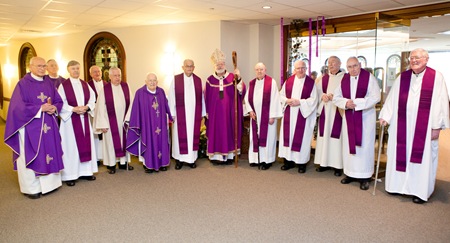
{"x": 181, "y": 112}
{"x": 354, "y": 118}
{"x": 82, "y": 138}
{"x": 337, "y": 124}
{"x": 301, "y": 121}
{"x": 262, "y": 141}
{"x": 119, "y": 148}
{"x": 423, "y": 116}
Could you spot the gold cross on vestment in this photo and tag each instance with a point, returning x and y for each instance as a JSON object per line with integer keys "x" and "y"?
{"x": 46, "y": 128}
{"x": 48, "y": 158}
{"x": 155, "y": 106}
{"x": 159, "y": 154}
{"x": 42, "y": 97}
{"x": 157, "y": 130}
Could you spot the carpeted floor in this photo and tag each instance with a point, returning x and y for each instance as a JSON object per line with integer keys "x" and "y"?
{"x": 219, "y": 204}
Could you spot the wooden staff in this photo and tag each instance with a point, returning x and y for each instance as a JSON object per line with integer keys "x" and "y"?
{"x": 234, "y": 56}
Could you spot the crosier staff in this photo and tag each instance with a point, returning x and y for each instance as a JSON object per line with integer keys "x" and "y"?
{"x": 234, "y": 56}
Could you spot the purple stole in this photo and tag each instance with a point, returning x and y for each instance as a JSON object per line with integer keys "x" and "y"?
{"x": 181, "y": 112}
{"x": 262, "y": 141}
{"x": 337, "y": 124}
{"x": 354, "y": 118}
{"x": 92, "y": 84}
{"x": 301, "y": 121}
{"x": 119, "y": 148}
{"x": 82, "y": 137}
{"x": 423, "y": 116}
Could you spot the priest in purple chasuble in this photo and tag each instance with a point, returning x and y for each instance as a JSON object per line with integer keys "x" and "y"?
{"x": 187, "y": 106}
{"x": 96, "y": 83}
{"x": 357, "y": 96}
{"x": 148, "y": 135}
{"x": 416, "y": 109}
{"x": 112, "y": 113}
{"x": 52, "y": 70}
{"x": 220, "y": 111}
{"x": 32, "y": 132}
{"x": 80, "y": 160}
{"x": 262, "y": 103}
{"x": 328, "y": 154}
{"x": 299, "y": 99}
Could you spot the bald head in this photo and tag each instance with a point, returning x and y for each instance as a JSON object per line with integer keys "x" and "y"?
{"x": 300, "y": 69}
{"x": 151, "y": 81}
{"x": 260, "y": 70}
{"x": 38, "y": 66}
{"x": 188, "y": 67}
{"x": 353, "y": 66}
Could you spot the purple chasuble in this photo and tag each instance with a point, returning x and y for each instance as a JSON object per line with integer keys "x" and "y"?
{"x": 354, "y": 118}
{"x": 92, "y": 84}
{"x": 423, "y": 116}
{"x": 265, "y": 110}
{"x": 147, "y": 133}
{"x": 301, "y": 121}
{"x": 42, "y": 142}
{"x": 181, "y": 112}
{"x": 56, "y": 81}
{"x": 82, "y": 138}
{"x": 337, "y": 124}
{"x": 119, "y": 146}
{"x": 220, "y": 125}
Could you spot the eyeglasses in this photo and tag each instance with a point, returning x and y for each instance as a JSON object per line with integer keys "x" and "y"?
{"x": 40, "y": 66}
{"x": 415, "y": 58}
{"x": 352, "y": 66}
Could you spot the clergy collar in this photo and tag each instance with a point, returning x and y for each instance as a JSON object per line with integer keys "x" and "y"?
{"x": 74, "y": 79}
{"x": 336, "y": 73}
{"x": 151, "y": 92}
{"x": 97, "y": 80}
{"x": 221, "y": 77}
{"x": 421, "y": 72}
{"x": 261, "y": 79}
{"x": 185, "y": 76}
{"x": 57, "y": 76}
{"x": 37, "y": 77}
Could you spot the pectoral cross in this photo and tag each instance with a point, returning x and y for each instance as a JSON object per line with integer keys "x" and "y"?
{"x": 46, "y": 128}
{"x": 48, "y": 158}
{"x": 157, "y": 130}
{"x": 155, "y": 106}
{"x": 42, "y": 97}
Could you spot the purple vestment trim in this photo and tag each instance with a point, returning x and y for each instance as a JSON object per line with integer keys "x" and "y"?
{"x": 423, "y": 116}
{"x": 119, "y": 146}
{"x": 265, "y": 110}
{"x": 337, "y": 124}
{"x": 354, "y": 118}
{"x": 181, "y": 112}
{"x": 82, "y": 138}
{"x": 301, "y": 121}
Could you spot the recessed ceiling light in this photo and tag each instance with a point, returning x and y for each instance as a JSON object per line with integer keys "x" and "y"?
{"x": 444, "y": 33}
{"x": 267, "y": 7}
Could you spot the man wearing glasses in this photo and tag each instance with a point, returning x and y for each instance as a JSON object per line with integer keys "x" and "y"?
{"x": 416, "y": 109}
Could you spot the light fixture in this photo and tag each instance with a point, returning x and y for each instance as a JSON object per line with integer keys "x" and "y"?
{"x": 444, "y": 32}
{"x": 266, "y": 7}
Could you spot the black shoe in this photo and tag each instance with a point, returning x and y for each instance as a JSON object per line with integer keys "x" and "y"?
{"x": 70, "y": 183}
{"x": 147, "y": 170}
{"x": 322, "y": 169}
{"x": 347, "y": 180}
{"x": 417, "y": 200}
{"x": 111, "y": 169}
{"x": 253, "y": 164}
{"x": 265, "y": 166}
{"x": 178, "y": 165}
{"x": 193, "y": 165}
{"x": 364, "y": 185}
{"x": 287, "y": 165}
{"x": 33, "y": 196}
{"x": 302, "y": 168}
{"x": 89, "y": 178}
{"x": 337, "y": 172}
{"x": 99, "y": 163}
{"x": 124, "y": 167}
{"x": 164, "y": 168}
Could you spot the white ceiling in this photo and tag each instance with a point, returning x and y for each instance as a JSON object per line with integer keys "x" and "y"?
{"x": 28, "y": 19}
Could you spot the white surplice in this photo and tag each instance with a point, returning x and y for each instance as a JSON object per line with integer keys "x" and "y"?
{"x": 73, "y": 168}
{"x": 189, "y": 109}
{"x": 418, "y": 179}
{"x": 266, "y": 154}
{"x": 307, "y": 109}
{"x": 98, "y": 143}
{"x": 361, "y": 164}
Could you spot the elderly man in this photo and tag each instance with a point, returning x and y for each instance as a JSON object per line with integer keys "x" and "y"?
{"x": 32, "y": 132}
{"x": 148, "y": 135}
{"x": 96, "y": 83}
{"x": 187, "y": 105}
{"x": 262, "y": 102}
{"x": 329, "y": 143}
{"x": 79, "y": 158}
{"x": 299, "y": 98}
{"x": 358, "y": 94}
{"x": 52, "y": 70}
{"x": 221, "y": 112}
{"x": 416, "y": 109}
{"x": 111, "y": 115}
